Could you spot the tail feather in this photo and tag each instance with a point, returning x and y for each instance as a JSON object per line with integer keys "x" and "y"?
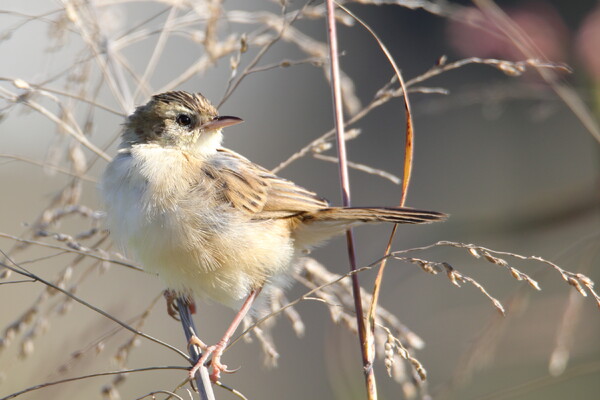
{"x": 319, "y": 226}
{"x": 397, "y": 215}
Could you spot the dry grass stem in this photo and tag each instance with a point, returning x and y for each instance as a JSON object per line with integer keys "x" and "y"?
{"x": 339, "y": 299}
{"x": 268, "y": 348}
{"x": 69, "y": 127}
{"x": 386, "y": 93}
{"x": 48, "y": 167}
{"x": 88, "y": 253}
{"x": 123, "y": 352}
{"x": 78, "y": 378}
{"x": 455, "y": 277}
{"x": 279, "y": 300}
{"x": 233, "y": 391}
{"x": 362, "y": 167}
{"x": 407, "y": 170}
{"x": 95, "y": 73}
{"x": 571, "y": 318}
{"x": 152, "y": 396}
{"x": 520, "y": 40}
{"x": 365, "y": 335}
{"x": 24, "y": 272}
{"x": 334, "y": 291}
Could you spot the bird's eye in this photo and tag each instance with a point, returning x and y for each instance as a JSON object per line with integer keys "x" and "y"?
{"x": 183, "y": 120}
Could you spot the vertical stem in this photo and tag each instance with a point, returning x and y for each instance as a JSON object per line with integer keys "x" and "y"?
{"x": 365, "y": 344}
{"x": 203, "y": 383}
{"x": 408, "y": 162}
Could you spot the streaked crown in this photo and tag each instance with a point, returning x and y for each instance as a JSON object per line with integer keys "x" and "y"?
{"x": 169, "y": 119}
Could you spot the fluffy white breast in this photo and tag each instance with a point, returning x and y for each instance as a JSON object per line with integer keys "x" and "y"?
{"x": 194, "y": 243}
{"x": 122, "y": 188}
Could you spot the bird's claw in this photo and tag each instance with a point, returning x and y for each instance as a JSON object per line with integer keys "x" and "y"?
{"x": 172, "y": 309}
{"x": 215, "y": 362}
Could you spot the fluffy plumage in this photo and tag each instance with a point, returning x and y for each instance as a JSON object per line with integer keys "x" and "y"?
{"x": 210, "y": 222}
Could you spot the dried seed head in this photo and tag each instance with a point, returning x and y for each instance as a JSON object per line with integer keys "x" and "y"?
{"x": 474, "y": 252}
{"x": 109, "y": 392}
{"x": 21, "y": 84}
{"x": 419, "y": 368}
{"x": 243, "y": 43}
{"x": 585, "y": 280}
{"x": 389, "y": 363}
{"x": 575, "y": 283}
{"x": 26, "y": 348}
{"x": 533, "y": 284}
{"x": 78, "y": 159}
{"x": 511, "y": 69}
{"x": 515, "y": 274}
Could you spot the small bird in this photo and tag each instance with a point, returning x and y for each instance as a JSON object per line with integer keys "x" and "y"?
{"x": 208, "y": 221}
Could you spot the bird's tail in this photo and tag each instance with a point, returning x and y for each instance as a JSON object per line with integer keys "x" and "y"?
{"x": 397, "y": 215}
{"x": 321, "y": 225}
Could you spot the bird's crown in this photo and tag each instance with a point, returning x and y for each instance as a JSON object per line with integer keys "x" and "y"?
{"x": 169, "y": 119}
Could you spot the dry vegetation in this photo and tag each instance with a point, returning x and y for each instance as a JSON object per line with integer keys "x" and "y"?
{"x": 104, "y": 77}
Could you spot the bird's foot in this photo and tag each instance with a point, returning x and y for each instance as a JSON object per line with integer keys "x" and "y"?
{"x": 215, "y": 363}
{"x": 172, "y": 309}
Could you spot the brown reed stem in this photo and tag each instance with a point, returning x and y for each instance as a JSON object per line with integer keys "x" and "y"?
{"x": 363, "y": 334}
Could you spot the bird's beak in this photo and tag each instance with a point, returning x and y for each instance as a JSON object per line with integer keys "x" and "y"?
{"x": 221, "y": 122}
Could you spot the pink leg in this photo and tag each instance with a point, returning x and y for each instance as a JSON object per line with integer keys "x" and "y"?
{"x": 217, "y": 350}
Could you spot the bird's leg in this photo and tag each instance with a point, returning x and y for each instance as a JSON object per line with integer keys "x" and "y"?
{"x": 172, "y": 310}
{"x": 217, "y": 350}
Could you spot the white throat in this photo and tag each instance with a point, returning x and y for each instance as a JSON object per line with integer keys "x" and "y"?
{"x": 208, "y": 143}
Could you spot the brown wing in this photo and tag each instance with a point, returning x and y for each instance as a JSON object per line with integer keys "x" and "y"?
{"x": 253, "y": 189}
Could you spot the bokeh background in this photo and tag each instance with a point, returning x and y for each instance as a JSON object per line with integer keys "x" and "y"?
{"x": 515, "y": 167}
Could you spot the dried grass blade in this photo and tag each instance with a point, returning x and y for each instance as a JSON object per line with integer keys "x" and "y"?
{"x": 408, "y": 157}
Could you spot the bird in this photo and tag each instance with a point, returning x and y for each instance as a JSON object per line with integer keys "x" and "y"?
{"x": 211, "y": 223}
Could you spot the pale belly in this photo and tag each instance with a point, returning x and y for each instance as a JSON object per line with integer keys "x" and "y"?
{"x": 215, "y": 254}
{"x": 221, "y": 266}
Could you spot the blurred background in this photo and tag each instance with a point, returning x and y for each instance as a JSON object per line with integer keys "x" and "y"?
{"x": 513, "y": 159}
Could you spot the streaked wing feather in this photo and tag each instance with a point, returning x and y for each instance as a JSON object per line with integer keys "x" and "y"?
{"x": 253, "y": 189}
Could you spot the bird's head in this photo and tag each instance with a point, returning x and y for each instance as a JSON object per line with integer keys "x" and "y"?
{"x": 178, "y": 120}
